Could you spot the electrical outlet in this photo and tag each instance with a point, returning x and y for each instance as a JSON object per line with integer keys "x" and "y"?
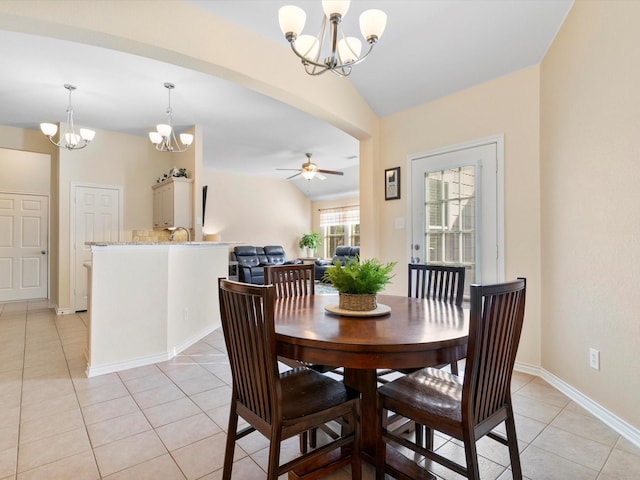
{"x": 594, "y": 358}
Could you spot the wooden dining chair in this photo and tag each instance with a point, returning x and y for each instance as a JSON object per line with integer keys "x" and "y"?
{"x": 277, "y": 405}
{"x": 297, "y": 280}
{"x": 437, "y": 282}
{"x": 470, "y": 408}
{"x": 291, "y": 280}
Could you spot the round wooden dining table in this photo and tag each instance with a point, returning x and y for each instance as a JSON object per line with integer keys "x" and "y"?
{"x": 415, "y": 333}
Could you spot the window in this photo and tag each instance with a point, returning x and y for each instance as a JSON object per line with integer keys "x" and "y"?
{"x": 450, "y": 222}
{"x": 341, "y": 226}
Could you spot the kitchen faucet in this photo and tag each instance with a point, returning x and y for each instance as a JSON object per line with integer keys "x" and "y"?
{"x": 173, "y": 232}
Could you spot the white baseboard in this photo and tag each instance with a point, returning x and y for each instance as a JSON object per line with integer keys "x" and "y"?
{"x": 95, "y": 370}
{"x": 625, "y": 429}
{"x": 63, "y": 311}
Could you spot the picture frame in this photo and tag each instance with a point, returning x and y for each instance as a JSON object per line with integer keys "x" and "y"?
{"x": 392, "y": 183}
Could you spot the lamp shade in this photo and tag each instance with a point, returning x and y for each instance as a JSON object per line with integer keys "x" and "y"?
{"x": 372, "y": 23}
{"x": 349, "y": 49}
{"x": 49, "y": 129}
{"x": 308, "y": 46}
{"x": 291, "y": 19}
{"x": 186, "y": 139}
{"x": 308, "y": 174}
{"x": 87, "y": 134}
{"x": 335, "y": 6}
{"x": 155, "y": 137}
{"x": 72, "y": 139}
{"x": 164, "y": 129}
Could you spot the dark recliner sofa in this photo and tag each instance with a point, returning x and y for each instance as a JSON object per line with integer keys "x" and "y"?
{"x": 252, "y": 260}
{"x": 342, "y": 253}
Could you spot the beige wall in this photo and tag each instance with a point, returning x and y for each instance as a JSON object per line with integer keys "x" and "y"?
{"x": 25, "y": 172}
{"x": 590, "y": 164}
{"x": 509, "y": 106}
{"x": 255, "y": 211}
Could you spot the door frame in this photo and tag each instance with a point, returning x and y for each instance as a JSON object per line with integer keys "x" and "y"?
{"x": 498, "y": 140}
{"x": 72, "y": 226}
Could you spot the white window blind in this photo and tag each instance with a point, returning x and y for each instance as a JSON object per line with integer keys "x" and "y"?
{"x": 330, "y": 217}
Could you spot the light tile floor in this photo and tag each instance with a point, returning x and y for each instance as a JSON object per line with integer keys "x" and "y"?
{"x": 168, "y": 421}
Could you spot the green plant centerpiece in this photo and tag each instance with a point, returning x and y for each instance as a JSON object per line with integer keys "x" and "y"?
{"x": 311, "y": 241}
{"x": 358, "y": 282}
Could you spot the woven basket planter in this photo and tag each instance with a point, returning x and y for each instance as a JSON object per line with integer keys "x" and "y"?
{"x": 359, "y": 302}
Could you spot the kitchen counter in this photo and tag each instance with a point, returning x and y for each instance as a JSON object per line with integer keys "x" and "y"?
{"x": 148, "y": 302}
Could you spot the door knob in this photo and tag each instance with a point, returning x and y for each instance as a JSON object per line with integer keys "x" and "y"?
{"x": 43, "y": 252}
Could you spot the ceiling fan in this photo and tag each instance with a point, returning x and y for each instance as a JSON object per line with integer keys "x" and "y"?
{"x": 310, "y": 170}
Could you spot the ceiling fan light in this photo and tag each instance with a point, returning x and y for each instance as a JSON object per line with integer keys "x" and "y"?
{"x": 291, "y": 19}
{"x": 332, "y": 7}
{"x": 308, "y": 46}
{"x": 164, "y": 129}
{"x": 49, "y": 129}
{"x": 155, "y": 137}
{"x": 349, "y": 49}
{"x": 87, "y": 135}
{"x": 372, "y": 23}
{"x": 308, "y": 174}
{"x": 186, "y": 139}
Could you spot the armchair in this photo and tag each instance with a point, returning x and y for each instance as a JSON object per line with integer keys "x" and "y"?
{"x": 342, "y": 253}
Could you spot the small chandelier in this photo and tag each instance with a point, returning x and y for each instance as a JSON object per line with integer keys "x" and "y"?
{"x": 164, "y": 137}
{"x": 340, "y": 55}
{"x": 69, "y": 139}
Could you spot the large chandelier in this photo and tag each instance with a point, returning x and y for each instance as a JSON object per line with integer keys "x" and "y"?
{"x": 69, "y": 139}
{"x": 164, "y": 137}
{"x": 337, "y": 56}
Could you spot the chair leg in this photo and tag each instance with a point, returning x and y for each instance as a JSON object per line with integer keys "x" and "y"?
{"x": 471, "y": 454}
{"x": 420, "y": 434}
{"x": 381, "y": 446}
{"x": 454, "y": 368}
{"x": 356, "y": 461}
{"x": 274, "y": 456}
{"x": 512, "y": 441}
{"x": 304, "y": 442}
{"x": 231, "y": 444}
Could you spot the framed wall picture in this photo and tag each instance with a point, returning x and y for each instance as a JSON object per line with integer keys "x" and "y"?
{"x": 392, "y": 183}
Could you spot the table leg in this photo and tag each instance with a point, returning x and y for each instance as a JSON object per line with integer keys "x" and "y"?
{"x": 366, "y": 382}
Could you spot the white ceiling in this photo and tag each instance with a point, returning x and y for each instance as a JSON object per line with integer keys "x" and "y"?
{"x": 430, "y": 49}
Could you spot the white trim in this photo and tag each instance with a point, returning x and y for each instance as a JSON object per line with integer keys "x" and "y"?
{"x": 610, "y": 419}
{"x": 72, "y": 229}
{"x": 499, "y": 142}
{"x": 63, "y": 311}
{"x": 95, "y": 370}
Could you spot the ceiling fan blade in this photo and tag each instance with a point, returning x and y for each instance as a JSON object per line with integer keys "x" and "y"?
{"x": 293, "y": 176}
{"x": 330, "y": 172}
{"x": 292, "y": 169}
{"x": 320, "y": 176}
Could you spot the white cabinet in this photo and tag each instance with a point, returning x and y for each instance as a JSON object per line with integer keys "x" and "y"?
{"x": 173, "y": 203}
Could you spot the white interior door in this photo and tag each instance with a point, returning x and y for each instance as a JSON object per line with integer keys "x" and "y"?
{"x": 456, "y": 209}
{"x": 96, "y": 219}
{"x": 24, "y": 221}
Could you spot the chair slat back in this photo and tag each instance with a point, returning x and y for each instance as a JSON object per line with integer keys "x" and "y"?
{"x": 495, "y": 324}
{"x": 291, "y": 280}
{"x": 247, "y": 322}
{"x": 437, "y": 282}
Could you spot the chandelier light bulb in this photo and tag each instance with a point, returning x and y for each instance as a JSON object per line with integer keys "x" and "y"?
{"x": 49, "y": 129}
{"x": 308, "y": 46}
{"x": 349, "y": 49}
{"x": 291, "y": 19}
{"x": 164, "y": 130}
{"x": 335, "y": 7}
{"x": 186, "y": 139}
{"x": 372, "y": 24}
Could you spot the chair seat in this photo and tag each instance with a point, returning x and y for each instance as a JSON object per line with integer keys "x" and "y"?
{"x": 305, "y": 392}
{"x": 429, "y": 391}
